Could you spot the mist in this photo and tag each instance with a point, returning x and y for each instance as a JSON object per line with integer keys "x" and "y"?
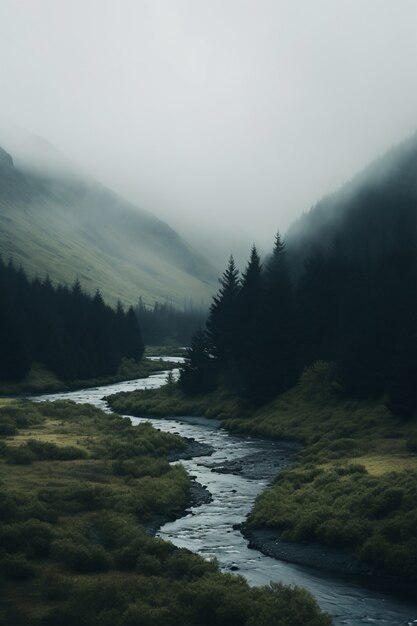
{"x": 225, "y": 119}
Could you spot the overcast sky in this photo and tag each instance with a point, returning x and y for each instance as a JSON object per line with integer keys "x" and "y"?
{"x": 216, "y": 115}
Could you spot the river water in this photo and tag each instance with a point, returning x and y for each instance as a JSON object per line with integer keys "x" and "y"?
{"x": 208, "y": 529}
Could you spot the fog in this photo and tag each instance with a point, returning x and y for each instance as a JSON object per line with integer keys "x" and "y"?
{"x": 226, "y": 118}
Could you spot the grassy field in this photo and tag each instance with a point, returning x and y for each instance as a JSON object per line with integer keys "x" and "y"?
{"x": 76, "y": 485}
{"x": 354, "y": 484}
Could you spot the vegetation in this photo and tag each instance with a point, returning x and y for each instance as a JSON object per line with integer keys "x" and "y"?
{"x": 40, "y": 380}
{"x": 264, "y": 330}
{"x": 343, "y": 323}
{"x": 343, "y": 506}
{"x": 353, "y": 486}
{"x": 163, "y": 324}
{"x": 56, "y": 221}
{"x": 345, "y": 292}
{"x": 72, "y": 549}
{"x": 169, "y": 349}
{"x": 171, "y": 401}
{"x": 72, "y": 334}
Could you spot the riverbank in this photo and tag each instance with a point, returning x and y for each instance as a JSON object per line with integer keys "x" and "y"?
{"x": 197, "y": 493}
{"x": 78, "y": 485}
{"x": 269, "y": 463}
{"x": 40, "y": 380}
{"x": 355, "y": 453}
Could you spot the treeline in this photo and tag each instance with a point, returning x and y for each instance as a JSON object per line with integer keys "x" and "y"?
{"x": 74, "y": 335}
{"x": 164, "y": 324}
{"x": 263, "y": 329}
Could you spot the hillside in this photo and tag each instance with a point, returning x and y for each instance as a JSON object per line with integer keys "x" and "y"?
{"x": 372, "y": 215}
{"x": 56, "y": 220}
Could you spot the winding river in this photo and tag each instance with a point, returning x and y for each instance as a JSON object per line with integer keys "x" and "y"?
{"x": 209, "y": 529}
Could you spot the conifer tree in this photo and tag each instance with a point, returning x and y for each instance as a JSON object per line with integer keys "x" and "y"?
{"x": 277, "y": 277}
{"x": 134, "y": 347}
{"x": 279, "y": 323}
{"x": 222, "y": 330}
{"x": 198, "y": 373}
{"x": 251, "y": 349}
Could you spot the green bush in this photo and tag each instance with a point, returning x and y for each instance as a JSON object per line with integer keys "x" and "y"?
{"x": 374, "y": 515}
{"x": 81, "y": 558}
{"x": 45, "y": 451}
{"x": 7, "y": 428}
{"x": 32, "y": 537}
{"x": 21, "y": 455}
{"x": 56, "y": 588}
{"x": 17, "y": 567}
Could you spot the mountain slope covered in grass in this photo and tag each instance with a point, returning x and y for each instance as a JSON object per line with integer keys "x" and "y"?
{"x": 56, "y": 220}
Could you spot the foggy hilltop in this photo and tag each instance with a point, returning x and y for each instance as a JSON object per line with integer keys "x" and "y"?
{"x": 375, "y": 213}
{"x": 56, "y": 220}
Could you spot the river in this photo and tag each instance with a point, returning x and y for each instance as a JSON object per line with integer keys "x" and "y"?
{"x": 209, "y": 529}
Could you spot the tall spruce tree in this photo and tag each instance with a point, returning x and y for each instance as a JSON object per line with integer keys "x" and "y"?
{"x": 222, "y": 329}
{"x": 251, "y": 348}
{"x": 280, "y": 331}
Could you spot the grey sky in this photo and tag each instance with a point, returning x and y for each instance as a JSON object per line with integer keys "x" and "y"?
{"x": 214, "y": 114}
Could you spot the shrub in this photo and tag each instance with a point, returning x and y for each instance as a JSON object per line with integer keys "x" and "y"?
{"x": 46, "y": 451}
{"x": 412, "y": 444}
{"x": 31, "y": 537}
{"x": 16, "y": 566}
{"x": 20, "y": 456}
{"x": 7, "y": 428}
{"x": 81, "y": 558}
{"x": 55, "y": 587}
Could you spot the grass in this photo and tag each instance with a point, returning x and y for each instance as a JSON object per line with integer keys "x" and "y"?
{"x": 40, "y": 380}
{"x": 377, "y": 465}
{"x": 351, "y": 446}
{"x": 132, "y": 257}
{"x": 72, "y": 548}
{"x": 354, "y": 485}
{"x": 170, "y": 401}
{"x": 170, "y": 350}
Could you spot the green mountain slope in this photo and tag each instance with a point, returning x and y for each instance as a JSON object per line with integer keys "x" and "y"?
{"x": 55, "y": 220}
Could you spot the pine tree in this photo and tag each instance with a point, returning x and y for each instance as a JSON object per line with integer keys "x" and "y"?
{"x": 251, "y": 350}
{"x": 279, "y": 325}
{"x": 198, "y": 374}
{"x": 135, "y": 347}
{"x": 277, "y": 277}
{"x": 221, "y": 325}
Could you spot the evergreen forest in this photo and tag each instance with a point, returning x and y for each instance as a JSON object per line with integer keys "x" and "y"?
{"x": 164, "y": 324}
{"x": 264, "y": 328}
{"x": 74, "y": 335}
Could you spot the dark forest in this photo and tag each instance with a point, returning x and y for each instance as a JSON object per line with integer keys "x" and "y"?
{"x": 74, "y": 335}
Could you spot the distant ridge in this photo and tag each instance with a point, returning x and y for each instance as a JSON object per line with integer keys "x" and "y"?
{"x": 56, "y": 220}
{"x": 371, "y": 215}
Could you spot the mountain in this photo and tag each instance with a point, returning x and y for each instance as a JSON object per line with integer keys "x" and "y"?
{"x": 56, "y": 220}
{"x": 374, "y": 214}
